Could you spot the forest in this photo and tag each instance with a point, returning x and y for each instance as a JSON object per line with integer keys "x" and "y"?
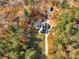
{"x": 39, "y": 29}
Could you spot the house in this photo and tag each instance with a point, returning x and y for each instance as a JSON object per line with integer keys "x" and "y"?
{"x": 43, "y": 26}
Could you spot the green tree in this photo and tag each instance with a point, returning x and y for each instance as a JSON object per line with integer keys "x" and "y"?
{"x": 67, "y": 31}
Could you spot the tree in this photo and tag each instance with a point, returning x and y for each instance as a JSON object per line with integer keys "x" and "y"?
{"x": 18, "y": 40}
{"x": 67, "y": 31}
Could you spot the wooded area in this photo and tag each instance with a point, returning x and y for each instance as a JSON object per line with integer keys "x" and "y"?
{"x": 39, "y": 29}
